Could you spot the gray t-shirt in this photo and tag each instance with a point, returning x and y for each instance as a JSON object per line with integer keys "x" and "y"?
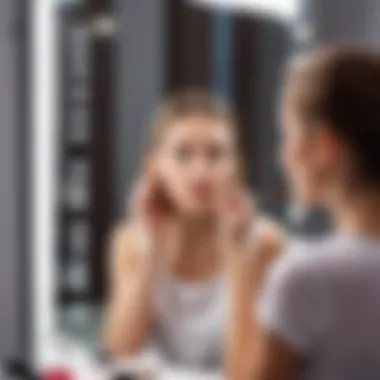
{"x": 323, "y": 299}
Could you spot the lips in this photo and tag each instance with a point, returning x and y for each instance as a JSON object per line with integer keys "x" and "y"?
{"x": 202, "y": 192}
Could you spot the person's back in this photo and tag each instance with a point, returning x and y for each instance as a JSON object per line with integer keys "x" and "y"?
{"x": 337, "y": 284}
{"x": 353, "y": 341}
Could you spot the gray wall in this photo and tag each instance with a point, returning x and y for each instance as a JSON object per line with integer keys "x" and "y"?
{"x": 10, "y": 281}
{"x": 140, "y": 81}
{"x": 275, "y": 46}
{"x": 346, "y": 21}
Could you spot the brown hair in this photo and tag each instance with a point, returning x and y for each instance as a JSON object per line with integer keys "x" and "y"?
{"x": 341, "y": 87}
{"x": 188, "y": 103}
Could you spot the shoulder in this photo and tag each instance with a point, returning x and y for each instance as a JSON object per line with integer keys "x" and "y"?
{"x": 124, "y": 233}
{"x": 123, "y": 241}
{"x": 301, "y": 265}
{"x": 301, "y": 273}
{"x": 294, "y": 301}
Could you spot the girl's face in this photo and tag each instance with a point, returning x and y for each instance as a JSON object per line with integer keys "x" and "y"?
{"x": 312, "y": 158}
{"x": 196, "y": 160}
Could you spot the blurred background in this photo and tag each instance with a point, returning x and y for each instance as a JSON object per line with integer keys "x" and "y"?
{"x": 79, "y": 80}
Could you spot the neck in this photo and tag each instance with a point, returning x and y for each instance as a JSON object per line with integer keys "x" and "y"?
{"x": 197, "y": 245}
{"x": 358, "y": 212}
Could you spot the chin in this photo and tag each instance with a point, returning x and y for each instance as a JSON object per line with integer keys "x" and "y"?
{"x": 200, "y": 210}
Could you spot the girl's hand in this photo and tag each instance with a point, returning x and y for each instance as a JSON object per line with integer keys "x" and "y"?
{"x": 237, "y": 215}
{"x": 152, "y": 211}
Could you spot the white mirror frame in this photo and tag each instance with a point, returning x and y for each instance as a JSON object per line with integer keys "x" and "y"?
{"x": 286, "y": 10}
{"x": 44, "y": 161}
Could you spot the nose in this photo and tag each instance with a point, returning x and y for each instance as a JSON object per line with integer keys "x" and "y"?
{"x": 200, "y": 168}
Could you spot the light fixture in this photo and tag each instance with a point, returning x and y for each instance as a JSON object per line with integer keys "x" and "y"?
{"x": 286, "y": 10}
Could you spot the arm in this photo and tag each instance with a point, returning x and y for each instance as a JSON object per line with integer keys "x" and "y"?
{"x": 245, "y": 280}
{"x": 275, "y": 360}
{"x": 129, "y": 314}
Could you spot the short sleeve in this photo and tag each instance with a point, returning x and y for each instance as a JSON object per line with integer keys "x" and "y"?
{"x": 292, "y": 304}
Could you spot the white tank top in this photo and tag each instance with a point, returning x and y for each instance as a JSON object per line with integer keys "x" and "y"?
{"x": 191, "y": 321}
{"x": 191, "y": 318}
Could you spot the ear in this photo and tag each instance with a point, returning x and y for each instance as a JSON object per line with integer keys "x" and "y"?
{"x": 330, "y": 145}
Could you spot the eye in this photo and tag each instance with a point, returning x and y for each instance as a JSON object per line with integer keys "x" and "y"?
{"x": 217, "y": 153}
{"x": 182, "y": 153}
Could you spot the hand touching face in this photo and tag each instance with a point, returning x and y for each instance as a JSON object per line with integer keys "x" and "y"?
{"x": 236, "y": 217}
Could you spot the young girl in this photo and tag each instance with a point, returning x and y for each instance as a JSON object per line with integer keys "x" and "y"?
{"x": 320, "y": 309}
{"x": 186, "y": 264}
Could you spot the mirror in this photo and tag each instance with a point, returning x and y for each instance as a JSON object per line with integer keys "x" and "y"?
{"x": 110, "y": 66}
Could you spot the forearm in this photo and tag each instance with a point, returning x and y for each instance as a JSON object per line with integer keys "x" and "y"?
{"x": 241, "y": 327}
{"x": 129, "y": 316}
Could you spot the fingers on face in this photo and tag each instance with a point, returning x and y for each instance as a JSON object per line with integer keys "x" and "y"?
{"x": 237, "y": 204}
{"x": 150, "y": 196}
